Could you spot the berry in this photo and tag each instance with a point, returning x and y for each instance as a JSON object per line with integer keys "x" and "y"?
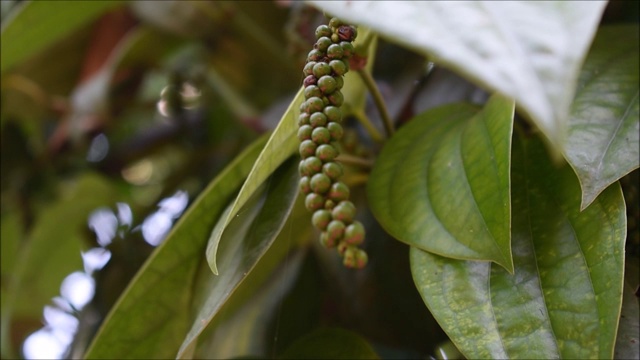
{"x": 312, "y": 165}
{"x": 309, "y": 80}
{"x": 307, "y": 148}
{"x": 304, "y": 185}
{"x": 335, "y": 51}
{"x": 354, "y": 233}
{"x": 303, "y": 119}
{"x": 345, "y": 211}
{"x": 321, "y": 69}
{"x": 323, "y": 43}
{"x": 333, "y": 113}
{"x": 321, "y": 135}
{"x": 326, "y": 152}
{"x": 312, "y": 91}
{"x": 308, "y": 68}
{"x": 323, "y": 30}
{"x": 347, "y": 48}
{"x": 313, "y": 201}
{"x": 338, "y": 67}
{"x": 335, "y": 230}
{"x": 315, "y": 55}
{"x": 321, "y": 219}
{"x": 314, "y": 104}
{"x": 320, "y": 183}
{"x": 333, "y": 170}
{"x": 327, "y": 84}
{"x": 335, "y": 130}
{"x": 335, "y": 23}
{"x": 304, "y": 132}
{"x": 336, "y": 98}
{"x": 338, "y": 192}
{"x": 318, "y": 119}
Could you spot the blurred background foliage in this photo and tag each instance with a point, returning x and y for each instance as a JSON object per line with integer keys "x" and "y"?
{"x": 114, "y": 122}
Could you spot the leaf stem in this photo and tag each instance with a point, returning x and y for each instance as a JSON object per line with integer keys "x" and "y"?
{"x": 377, "y": 98}
{"x": 355, "y": 161}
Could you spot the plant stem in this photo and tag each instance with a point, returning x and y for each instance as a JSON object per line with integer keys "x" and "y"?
{"x": 355, "y": 161}
{"x": 364, "y": 121}
{"x": 377, "y": 98}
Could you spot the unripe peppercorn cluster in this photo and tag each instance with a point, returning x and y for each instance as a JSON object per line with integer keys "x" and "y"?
{"x": 319, "y": 129}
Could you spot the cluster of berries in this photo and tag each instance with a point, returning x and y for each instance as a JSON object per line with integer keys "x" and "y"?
{"x": 319, "y": 130}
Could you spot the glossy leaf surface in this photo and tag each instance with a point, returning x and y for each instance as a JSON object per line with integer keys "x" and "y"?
{"x": 281, "y": 145}
{"x": 442, "y": 182}
{"x": 330, "y": 343}
{"x": 152, "y": 315}
{"x": 604, "y": 127}
{"x": 39, "y": 24}
{"x": 563, "y": 301}
{"x": 245, "y": 240}
{"x": 497, "y": 44}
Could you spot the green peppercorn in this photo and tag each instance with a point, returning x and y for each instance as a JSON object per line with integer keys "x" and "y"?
{"x": 361, "y": 258}
{"x": 342, "y": 247}
{"x": 326, "y": 242}
{"x": 339, "y": 82}
{"x": 347, "y": 48}
{"x": 308, "y": 68}
{"x": 334, "y": 52}
{"x": 338, "y": 67}
{"x": 314, "y": 105}
{"x": 314, "y": 201}
{"x": 335, "y": 38}
{"x": 323, "y": 43}
{"x": 336, "y": 98}
{"x": 304, "y": 107}
{"x": 312, "y": 165}
{"x": 320, "y": 183}
{"x": 304, "y": 132}
{"x": 335, "y": 130}
{"x": 317, "y": 119}
{"x": 354, "y": 233}
{"x": 333, "y": 113}
{"x": 338, "y": 192}
{"x": 335, "y": 230}
{"x": 321, "y": 219}
{"x": 304, "y": 185}
{"x": 323, "y": 30}
{"x": 315, "y": 55}
{"x": 333, "y": 170}
{"x": 327, "y": 84}
{"x": 312, "y": 91}
{"x": 302, "y": 170}
{"x": 329, "y": 205}
{"x": 307, "y": 148}
{"x": 335, "y": 23}
{"x": 349, "y": 257}
{"x": 321, "y": 135}
{"x": 303, "y": 118}
{"x": 326, "y": 152}
{"x": 321, "y": 69}
{"x": 345, "y": 211}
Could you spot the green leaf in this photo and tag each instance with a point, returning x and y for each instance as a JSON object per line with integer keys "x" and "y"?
{"x": 330, "y": 343}
{"x": 629, "y": 329}
{"x": 40, "y": 24}
{"x": 529, "y": 50}
{"x": 603, "y": 143}
{"x": 442, "y": 182}
{"x": 565, "y": 295}
{"x": 246, "y": 238}
{"x": 281, "y": 145}
{"x": 152, "y": 315}
{"x": 243, "y": 331}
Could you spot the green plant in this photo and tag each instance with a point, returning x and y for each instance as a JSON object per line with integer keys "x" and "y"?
{"x": 484, "y": 167}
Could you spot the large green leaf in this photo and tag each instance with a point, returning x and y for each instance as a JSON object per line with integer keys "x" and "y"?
{"x": 281, "y": 145}
{"x": 39, "y": 24}
{"x": 330, "y": 343}
{"x": 247, "y": 237}
{"x": 565, "y": 295}
{"x": 604, "y": 127}
{"x": 442, "y": 182}
{"x": 629, "y": 329}
{"x": 529, "y": 50}
{"x": 152, "y": 315}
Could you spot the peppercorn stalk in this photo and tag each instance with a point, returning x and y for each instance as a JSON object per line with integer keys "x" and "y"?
{"x": 319, "y": 130}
